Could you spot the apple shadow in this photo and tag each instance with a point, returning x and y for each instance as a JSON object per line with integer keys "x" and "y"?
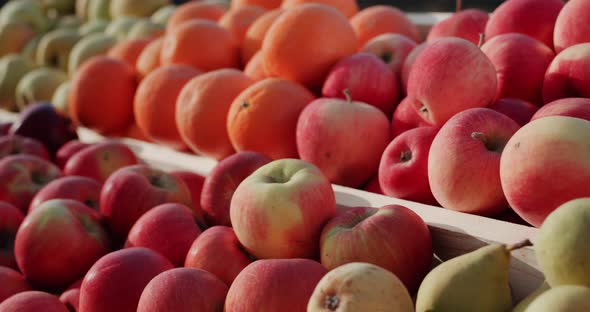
{"x": 346, "y": 200}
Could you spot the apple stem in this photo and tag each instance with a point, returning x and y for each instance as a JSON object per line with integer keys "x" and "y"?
{"x": 458, "y": 5}
{"x": 482, "y": 37}
{"x": 332, "y": 303}
{"x": 524, "y": 243}
{"x": 347, "y": 95}
{"x": 405, "y": 156}
{"x": 423, "y": 109}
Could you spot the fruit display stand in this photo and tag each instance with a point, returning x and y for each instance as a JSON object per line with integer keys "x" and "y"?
{"x": 452, "y": 233}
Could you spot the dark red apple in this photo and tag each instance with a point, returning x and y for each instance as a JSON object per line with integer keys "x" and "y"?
{"x": 82, "y": 189}
{"x": 374, "y": 186}
{"x": 568, "y": 76}
{"x": 572, "y": 107}
{"x": 68, "y": 150}
{"x": 405, "y": 118}
{"x": 33, "y": 301}
{"x": 16, "y": 144}
{"x": 71, "y": 296}
{"x": 519, "y": 110}
{"x": 12, "y": 283}
{"x": 5, "y": 127}
{"x": 223, "y": 180}
{"x": 10, "y": 220}
{"x": 194, "y": 182}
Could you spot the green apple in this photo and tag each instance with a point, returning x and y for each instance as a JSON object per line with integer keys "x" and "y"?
{"x": 69, "y": 21}
{"x": 145, "y": 29}
{"x": 25, "y": 11}
{"x": 136, "y": 8}
{"x": 121, "y": 26}
{"x": 94, "y": 26}
{"x": 99, "y": 9}
{"x": 163, "y": 14}
{"x": 55, "y": 47}
{"x": 14, "y": 36}
{"x": 38, "y": 85}
{"x": 60, "y": 98}
{"x": 12, "y": 68}
{"x": 87, "y": 47}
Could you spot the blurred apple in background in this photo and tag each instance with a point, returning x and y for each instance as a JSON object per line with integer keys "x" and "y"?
{"x": 10, "y": 220}
{"x": 217, "y": 250}
{"x": 12, "y": 282}
{"x": 82, "y": 189}
{"x": 223, "y": 181}
{"x": 71, "y": 296}
{"x": 409, "y": 62}
{"x": 31, "y": 301}
{"x": 518, "y": 110}
{"x": 22, "y": 177}
{"x": 467, "y": 24}
{"x": 569, "y": 30}
{"x": 40, "y": 240}
{"x": 68, "y": 150}
{"x": 393, "y": 49}
{"x": 279, "y": 210}
{"x": 572, "y": 107}
{"x": 194, "y": 182}
{"x": 464, "y": 161}
{"x": 392, "y": 237}
{"x": 374, "y": 186}
{"x": 16, "y": 144}
{"x": 343, "y": 138}
{"x": 569, "y": 74}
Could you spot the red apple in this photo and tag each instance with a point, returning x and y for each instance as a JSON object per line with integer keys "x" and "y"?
{"x": 571, "y": 26}
{"x": 450, "y": 76}
{"x": 393, "y": 49}
{"x": 222, "y": 182}
{"x": 169, "y": 229}
{"x": 5, "y": 127}
{"x": 403, "y": 171}
{"x": 367, "y": 79}
{"x": 569, "y": 74}
{"x": 519, "y": 110}
{"x": 278, "y": 285}
{"x": 12, "y": 283}
{"x": 68, "y": 150}
{"x": 33, "y": 301}
{"x": 22, "y": 177}
{"x": 409, "y": 62}
{"x": 217, "y": 250}
{"x": 572, "y": 107}
{"x": 100, "y": 160}
{"x": 464, "y": 160}
{"x": 16, "y": 144}
{"x": 546, "y": 164}
{"x": 535, "y": 18}
{"x": 41, "y": 239}
{"x": 194, "y": 182}
{"x": 82, "y": 189}
{"x": 344, "y": 139}
{"x": 520, "y": 62}
{"x": 374, "y": 186}
{"x": 279, "y": 210}
{"x": 466, "y": 24}
{"x": 10, "y": 220}
{"x": 405, "y": 117}
{"x": 71, "y": 296}
{"x": 115, "y": 282}
{"x": 183, "y": 290}
{"x": 131, "y": 191}
{"x": 392, "y": 237}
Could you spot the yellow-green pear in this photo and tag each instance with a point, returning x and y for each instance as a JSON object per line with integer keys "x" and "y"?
{"x": 87, "y": 47}
{"x": 12, "y": 68}
{"x": 94, "y": 26}
{"x": 60, "y": 98}
{"x": 69, "y": 22}
{"x": 120, "y": 27}
{"x": 163, "y": 14}
{"x": 359, "y": 286}
{"x": 25, "y": 11}
{"x": 38, "y": 85}
{"x": 55, "y": 47}
{"x": 136, "y": 8}
{"x": 524, "y": 303}
{"x": 99, "y": 9}
{"x": 475, "y": 281}
{"x": 14, "y": 36}
{"x": 566, "y": 298}
{"x": 145, "y": 29}
{"x": 562, "y": 246}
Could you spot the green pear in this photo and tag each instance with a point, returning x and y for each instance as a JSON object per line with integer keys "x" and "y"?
{"x": 87, "y": 47}
{"x": 30, "y": 50}
{"x": 60, "y": 98}
{"x": 25, "y": 11}
{"x": 55, "y": 47}
{"x": 562, "y": 248}
{"x": 136, "y": 8}
{"x": 524, "y": 303}
{"x": 163, "y": 14}
{"x": 38, "y": 85}
{"x": 120, "y": 27}
{"x": 14, "y": 36}
{"x": 94, "y": 26}
{"x": 59, "y": 7}
{"x": 145, "y": 29}
{"x": 99, "y": 9}
{"x": 475, "y": 281}
{"x": 82, "y": 9}
{"x": 69, "y": 22}
{"x": 12, "y": 68}
{"x": 566, "y": 298}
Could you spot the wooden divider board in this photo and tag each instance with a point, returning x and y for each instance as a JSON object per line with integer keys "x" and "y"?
{"x": 453, "y": 233}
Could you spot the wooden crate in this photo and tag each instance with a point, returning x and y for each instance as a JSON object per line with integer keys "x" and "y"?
{"x": 453, "y": 233}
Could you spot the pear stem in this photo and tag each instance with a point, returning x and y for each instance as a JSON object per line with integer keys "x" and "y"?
{"x": 347, "y": 95}
{"x": 482, "y": 37}
{"x": 525, "y": 243}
